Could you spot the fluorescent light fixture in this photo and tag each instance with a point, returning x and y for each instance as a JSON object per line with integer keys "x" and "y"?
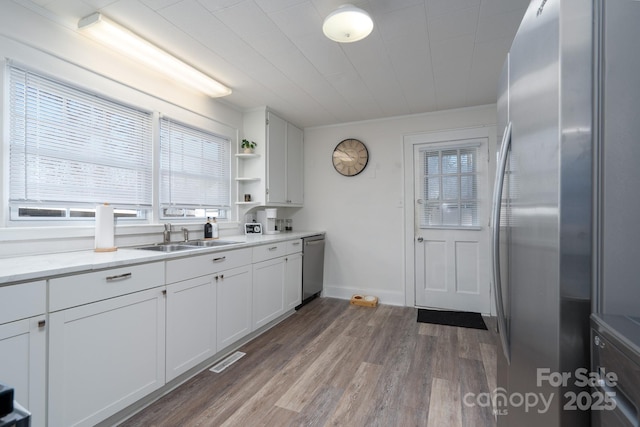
{"x": 126, "y": 42}
{"x": 347, "y": 24}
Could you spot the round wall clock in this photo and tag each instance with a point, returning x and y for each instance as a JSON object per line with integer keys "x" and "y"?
{"x": 350, "y": 157}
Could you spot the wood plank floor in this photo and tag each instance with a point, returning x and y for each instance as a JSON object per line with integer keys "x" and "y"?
{"x": 335, "y": 364}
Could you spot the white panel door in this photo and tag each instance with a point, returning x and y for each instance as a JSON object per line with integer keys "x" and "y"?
{"x": 276, "y": 159}
{"x": 451, "y": 244}
{"x": 293, "y": 281}
{"x": 234, "y": 299}
{"x": 191, "y": 324}
{"x": 268, "y": 291}
{"x": 295, "y": 161}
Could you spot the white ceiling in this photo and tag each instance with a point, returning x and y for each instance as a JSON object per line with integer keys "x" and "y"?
{"x": 422, "y": 56}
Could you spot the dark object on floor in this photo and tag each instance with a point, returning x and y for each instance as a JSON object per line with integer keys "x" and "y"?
{"x": 6, "y": 400}
{"x": 463, "y": 319}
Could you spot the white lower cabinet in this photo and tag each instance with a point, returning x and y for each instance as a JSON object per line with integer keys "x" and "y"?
{"x": 23, "y": 350}
{"x": 268, "y": 291}
{"x": 105, "y": 356}
{"x": 293, "y": 281}
{"x": 277, "y": 280}
{"x": 234, "y": 288}
{"x": 23, "y": 340}
{"x": 113, "y": 336}
{"x": 191, "y": 324}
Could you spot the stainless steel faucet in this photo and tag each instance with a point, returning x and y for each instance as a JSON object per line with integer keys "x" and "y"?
{"x": 185, "y": 232}
{"x": 166, "y": 234}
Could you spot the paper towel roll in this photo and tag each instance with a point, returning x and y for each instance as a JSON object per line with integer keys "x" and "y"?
{"x": 104, "y": 228}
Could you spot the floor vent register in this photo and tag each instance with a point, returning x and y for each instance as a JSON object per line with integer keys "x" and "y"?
{"x": 224, "y": 364}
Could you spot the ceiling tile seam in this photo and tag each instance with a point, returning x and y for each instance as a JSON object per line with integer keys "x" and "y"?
{"x": 189, "y": 62}
{"x": 427, "y": 53}
{"x": 395, "y": 74}
{"x": 216, "y": 54}
{"x": 328, "y": 111}
{"x": 430, "y": 56}
{"x": 473, "y": 54}
{"x": 207, "y": 9}
{"x": 284, "y": 74}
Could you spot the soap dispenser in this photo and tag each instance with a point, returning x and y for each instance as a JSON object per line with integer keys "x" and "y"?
{"x": 214, "y": 229}
{"x": 208, "y": 229}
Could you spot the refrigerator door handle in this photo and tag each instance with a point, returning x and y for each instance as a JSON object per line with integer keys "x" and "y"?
{"x": 505, "y": 146}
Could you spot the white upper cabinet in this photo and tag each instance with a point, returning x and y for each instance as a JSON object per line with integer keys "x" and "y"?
{"x": 295, "y": 170}
{"x": 274, "y": 174}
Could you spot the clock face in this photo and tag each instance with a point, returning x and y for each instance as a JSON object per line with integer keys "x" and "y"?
{"x": 350, "y": 157}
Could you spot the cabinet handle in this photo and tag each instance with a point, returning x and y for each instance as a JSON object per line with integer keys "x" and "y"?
{"x": 41, "y": 323}
{"x": 221, "y": 276}
{"x": 164, "y": 292}
{"x": 219, "y": 259}
{"x": 118, "y": 277}
{"x": 273, "y": 248}
{"x": 296, "y": 243}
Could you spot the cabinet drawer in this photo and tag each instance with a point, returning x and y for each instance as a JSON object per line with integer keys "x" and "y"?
{"x": 272, "y": 250}
{"x": 22, "y": 301}
{"x": 187, "y": 268}
{"x": 294, "y": 246}
{"x": 70, "y": 291}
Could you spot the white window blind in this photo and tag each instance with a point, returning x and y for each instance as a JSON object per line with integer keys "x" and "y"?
{"x": 450, "y": 188}
{"x": 69, "y": 147}
{"x": 195, "y": 167}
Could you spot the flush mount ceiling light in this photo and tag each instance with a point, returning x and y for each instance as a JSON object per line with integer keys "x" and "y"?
{"x": 126, "y": 42}
{"x": 347, "y": 24}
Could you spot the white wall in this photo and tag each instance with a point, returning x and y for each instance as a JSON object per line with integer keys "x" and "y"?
{"x": 49, "y": 46}
{"x": 363, "y": 215}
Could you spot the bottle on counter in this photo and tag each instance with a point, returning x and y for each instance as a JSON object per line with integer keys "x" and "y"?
{"x": 208, "y": 229}
{"x": 214, "y": 229}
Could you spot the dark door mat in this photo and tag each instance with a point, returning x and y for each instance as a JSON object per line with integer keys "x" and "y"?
{"x": 463, "y": 319}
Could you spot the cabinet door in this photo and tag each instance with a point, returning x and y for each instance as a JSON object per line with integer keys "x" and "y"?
{"x": 268, "y": 291}
{"x": 293, "y": 281}
{"x": 233, "y": 289}
{"x": 295, "y": 161}
{"x": 191, "y": 324}
{"x": 276, "y": 159}
{"x": 23, "y": 355}
{"x": 105, "y": 356}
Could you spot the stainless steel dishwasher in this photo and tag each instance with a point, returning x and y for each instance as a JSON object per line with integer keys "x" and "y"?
{"x": 312, "y": 267}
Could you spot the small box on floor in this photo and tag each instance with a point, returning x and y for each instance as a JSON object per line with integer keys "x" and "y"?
{"x": 364, "y": 300}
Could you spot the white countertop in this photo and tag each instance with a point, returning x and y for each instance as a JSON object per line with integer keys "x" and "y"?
{"x": 34, "y": 267}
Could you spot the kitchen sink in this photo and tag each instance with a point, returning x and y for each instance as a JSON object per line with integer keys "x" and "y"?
{"x": 183, "y": 246}
{"x": 169, "y": 247}
{"x": 209, "y": 243}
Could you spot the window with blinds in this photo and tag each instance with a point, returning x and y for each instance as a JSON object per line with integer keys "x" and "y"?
{"x": 195, "y": 172}
{"x": 449, "y": 188}
{"x": 70, "y": 150}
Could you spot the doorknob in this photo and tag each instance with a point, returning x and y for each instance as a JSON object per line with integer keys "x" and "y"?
{"x": 420, "y": 240}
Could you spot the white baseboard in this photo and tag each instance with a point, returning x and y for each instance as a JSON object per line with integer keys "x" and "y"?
{"x": 385, "y": 297}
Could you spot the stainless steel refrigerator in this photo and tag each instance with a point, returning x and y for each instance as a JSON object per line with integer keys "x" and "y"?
{"x": 542, "y": 215}
{"x": 615, "y": 338}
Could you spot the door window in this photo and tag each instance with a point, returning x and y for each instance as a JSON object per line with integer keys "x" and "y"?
{"x": 449, "y": 180}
